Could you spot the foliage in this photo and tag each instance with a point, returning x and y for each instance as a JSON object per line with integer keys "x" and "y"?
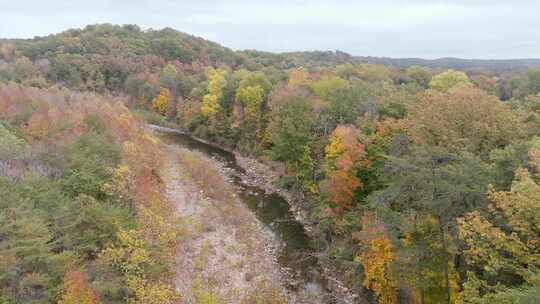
{"x": 11, "y": 146}
{"x": 343, "y": 155}
{"x": 534, "y": 81}
{"x": 291, "y": 124}
{"x": 445, "y": 120}
{"x": 419, "y": 75}
{"x": 77, "y": 289}
{"x": 388, "y": 142}
{"x": 69, "y": 193}
{"x": 503, "y": 247}
{"x": 298, "y": 77}
{"x": 449, "y": 79}
{"x": 216, "y": 83}
{"x": 377, "y": 260}
{"x": 435, "y": 186}
{"x": 160, "y": 104}
{"x": 325, "y": 86}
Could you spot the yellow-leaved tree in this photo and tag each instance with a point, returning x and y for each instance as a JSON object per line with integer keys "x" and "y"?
{"x": 216, "y": 83}
{"x": 449, "y": 79}
{"x": 377, "y": 258}
{"x": 298, "y": 77}
{"x": 504, "y": 245}
{"x": 160, "y": 104}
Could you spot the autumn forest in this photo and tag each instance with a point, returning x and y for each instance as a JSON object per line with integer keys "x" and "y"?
{"x": 415, "y": 184}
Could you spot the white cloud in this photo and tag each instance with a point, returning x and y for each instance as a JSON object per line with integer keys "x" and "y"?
{"x": 419, "y": 28}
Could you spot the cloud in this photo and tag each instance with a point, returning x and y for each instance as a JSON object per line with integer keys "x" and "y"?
{"x": 414, "y": 28}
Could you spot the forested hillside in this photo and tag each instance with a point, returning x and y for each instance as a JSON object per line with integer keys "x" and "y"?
{"x": 422, "y": 185}
{"x": 493, "y": 65}
{"x": 82, "y": 211}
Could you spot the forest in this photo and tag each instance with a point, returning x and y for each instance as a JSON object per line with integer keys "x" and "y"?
{"x": 422, "y": 183}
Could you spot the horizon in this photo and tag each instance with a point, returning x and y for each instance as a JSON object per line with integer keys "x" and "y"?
{"x": 274, "y": 52}
{"x": 423, "y": 29}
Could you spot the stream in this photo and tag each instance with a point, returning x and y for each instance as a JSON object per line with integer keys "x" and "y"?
{"x": 296, "y": 253}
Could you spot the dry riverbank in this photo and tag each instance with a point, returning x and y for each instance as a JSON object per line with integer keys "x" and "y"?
{"x": 266, "y": 176}
{"x": 263, "y": 176}
{"x": 227, "y": 256}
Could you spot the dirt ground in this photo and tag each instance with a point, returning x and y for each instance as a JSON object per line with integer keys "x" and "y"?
{"x": 227, "y": 255}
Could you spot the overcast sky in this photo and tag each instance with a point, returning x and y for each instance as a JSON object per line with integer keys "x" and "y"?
{"x": 415, "y": 28}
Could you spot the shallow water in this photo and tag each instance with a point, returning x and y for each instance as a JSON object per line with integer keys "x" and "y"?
{"x": 296, "y": 252}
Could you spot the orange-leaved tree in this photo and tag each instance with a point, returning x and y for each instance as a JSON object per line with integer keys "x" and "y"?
{"x": 77, "y": 289}
{"x": 298, "y": 77}
{"x": 343, "y": 154}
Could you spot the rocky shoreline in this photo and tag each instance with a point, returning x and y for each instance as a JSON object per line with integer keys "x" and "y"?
{"x": 263, "y": 176}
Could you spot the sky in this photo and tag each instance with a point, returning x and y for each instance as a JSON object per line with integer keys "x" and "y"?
{"x": 481, "y": 29}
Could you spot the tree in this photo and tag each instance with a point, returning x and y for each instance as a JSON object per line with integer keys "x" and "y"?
{"x": 135, "y": 255}
{"x": 345, "y": 105}
{"x": 160, "y": 104}
{"x": 169, "y": 78}
{"x": 502, "y": 248}
{"x": 534, "y": 81}
{"x": 250, "y": 99}
{"x": 449, "y": 79}
{"x": 7, "y": 50}
{"x": 211, "y": 101}
{"x": 298, "y": 77}
{"x": 346, "y": 71}
{"x": 343, "y": 154}
{"x": 77, "y": 289}
{"x": 374, "y": 73}
{"x": 39, "y": 125}
{"x": 11, "y": 146}
{"x": 446, "y": 120}
{"x": 25, "y": 251}
{"x": 248, "y": 115}
{"x": 436, "y": 185}
{"x": 486, "y": 83}
{"x": 325, "y": 86}
{"x": 392, "y": 102}
{"x": 255, "y": 79}
{"x": 419, "y": 75}
{"x": 377, "y": 258}
{"x": 292, "y": 120}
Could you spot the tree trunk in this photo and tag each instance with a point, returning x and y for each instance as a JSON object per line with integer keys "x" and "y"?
{"x": 445, "y": 259}
{"x": 296, "y": 175}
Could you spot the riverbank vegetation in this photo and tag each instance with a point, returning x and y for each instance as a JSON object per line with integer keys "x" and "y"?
{"x": 83, "y": 216}
{"x": 423, "y": 183}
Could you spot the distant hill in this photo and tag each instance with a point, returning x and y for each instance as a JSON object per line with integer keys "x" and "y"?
{"x": 493, "y": 65}
{"x": 126, "y": 41}
{"x": 119, "y": 49}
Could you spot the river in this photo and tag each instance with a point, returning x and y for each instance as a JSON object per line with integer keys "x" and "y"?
{"x": 296, "y": 255}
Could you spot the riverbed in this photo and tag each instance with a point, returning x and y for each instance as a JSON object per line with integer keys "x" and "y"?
{"x": 296, "y": 254}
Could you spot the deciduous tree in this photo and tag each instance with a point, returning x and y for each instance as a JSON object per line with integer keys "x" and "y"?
{"x": 447, "y": 120}
{"x": 211, "y": 101}
{"x": 160, "y": 104}
{"x": 292, "y": 120}
{"x": 77, "y": 289}
{"x": 377, "y": 257}
{"x": 503, "y": 247}
{"x": 449, "y": 79}
{"x": 343, "y": 154}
